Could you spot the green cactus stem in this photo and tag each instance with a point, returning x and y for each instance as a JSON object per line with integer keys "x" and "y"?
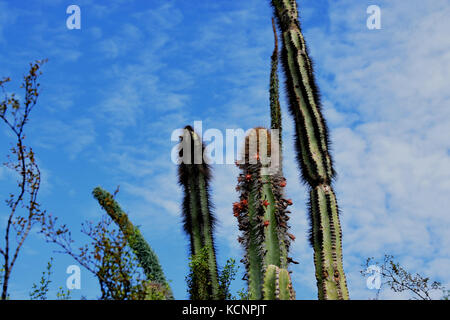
{"x": 312, "y": 143}
{"x": 275, "y": 108}
{"x": 147, "y": 257}
{"x": 194, "y": 175}
{"x": 277, "y": 284}
{"x": 325, "y": 238}
{"x": 262, "y": 215}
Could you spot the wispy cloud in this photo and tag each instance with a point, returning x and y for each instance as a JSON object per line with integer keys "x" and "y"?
{"x": 388, "y": 109}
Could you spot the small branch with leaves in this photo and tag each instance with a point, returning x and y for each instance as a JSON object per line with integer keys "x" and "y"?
{"x": 398, "y": 279}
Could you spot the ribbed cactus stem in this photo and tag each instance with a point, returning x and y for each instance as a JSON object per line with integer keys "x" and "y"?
{"x": 326, "y": 240}
{"x": 194, "y": 175}
{"x": 253, "y": 253}
{"x": 270, "y": 279}
{"x": 315, "y": 161}
{"x": 147, "y": 257}
{"x": 272, "y": 244}
{"x": 277, "y": 284}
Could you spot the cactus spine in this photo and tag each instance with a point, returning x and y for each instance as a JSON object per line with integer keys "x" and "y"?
{"x": 194, "y": 175}
{"x": 147, "y": 258}
{"x": 312, "y": 144}
{"x": 262, "y": 217}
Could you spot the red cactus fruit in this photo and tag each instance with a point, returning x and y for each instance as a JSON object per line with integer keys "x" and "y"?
{"x": 237, "y": 207}
{"x": 265, "y": 203}
{"x": 266, "y": 223}
{"x": 248, "y": 177}
{"x": 289, "y": 202}
{"x": 283, "y": 184}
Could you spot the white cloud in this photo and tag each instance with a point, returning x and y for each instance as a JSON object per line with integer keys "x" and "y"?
{"x": 72, "y": 137}
{"x": 392, "y": 160}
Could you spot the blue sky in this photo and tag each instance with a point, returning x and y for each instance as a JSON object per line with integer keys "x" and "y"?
{"x": 113, "y": 92}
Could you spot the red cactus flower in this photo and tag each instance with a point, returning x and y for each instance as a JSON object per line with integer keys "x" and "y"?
{"x": 265, "y": 203}
{"x": 244, "y": 202}
{"x": 289, "y": 202}
{"x": 266, "y": 223}
{"x": 236, "y": 214}
{"x": 283, "y": 184}
{"x": 248, "y": 177}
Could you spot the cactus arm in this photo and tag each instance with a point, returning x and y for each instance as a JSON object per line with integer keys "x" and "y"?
{"x": 270, "y": 279}
{"x": 284, "y": 286}
{"x": 146, "y": 256}
{"x": 312, "y": 147}
{"x": 277, "y": 284}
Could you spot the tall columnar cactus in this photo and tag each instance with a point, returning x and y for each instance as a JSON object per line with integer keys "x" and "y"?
{"x": 262, "y": 215}
{"x": 312, "y": 144}
{"x": 194, "y": 175}
{"x": 275, "y": 108}
{"x": 147, "y": 257}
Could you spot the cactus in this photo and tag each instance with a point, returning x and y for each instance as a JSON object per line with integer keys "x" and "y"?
{"x": 275, "y": 108}
{"x": 194, "y": 175}
{"x": 315, "y": 161}
{"x": 261, "y": 214}
{"x": 147, "y": 258}
{"x": 277, "y": 284}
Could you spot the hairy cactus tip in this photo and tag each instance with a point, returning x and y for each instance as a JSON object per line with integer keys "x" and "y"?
{"x": 198, "y": 218}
